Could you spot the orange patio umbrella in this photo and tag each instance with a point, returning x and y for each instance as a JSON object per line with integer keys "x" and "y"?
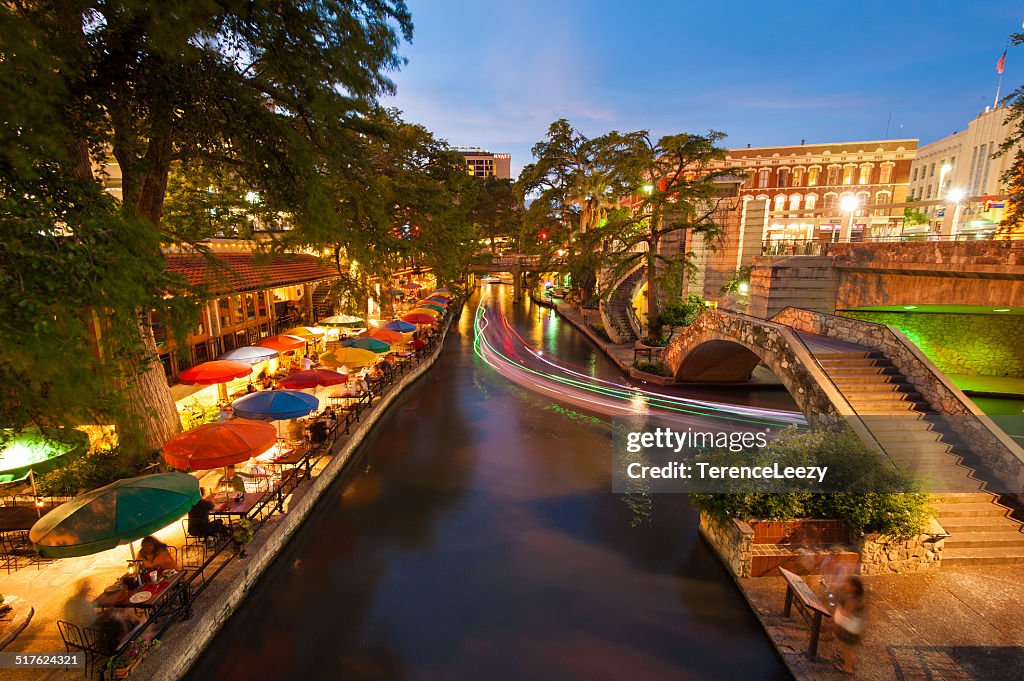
{"x": 387, "y": 335}
{"x": 218, "y": 371}
{"x": 282, "y": 343}
{"x": 213, "y": 445}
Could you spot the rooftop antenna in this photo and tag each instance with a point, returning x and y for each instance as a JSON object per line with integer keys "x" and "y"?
{"x": 887, "y": 122}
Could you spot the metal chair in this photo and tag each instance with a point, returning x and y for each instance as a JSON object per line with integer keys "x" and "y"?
{"x": 85, "y": 640}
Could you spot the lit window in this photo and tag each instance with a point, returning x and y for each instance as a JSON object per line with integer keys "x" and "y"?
{"x": 794, "y": 202}
{"x": 834, "y": 173}
{"x": 811, "y": 201}
{"x": 798, "y": 177}
{"x": 762, "y": 177}
{"x": 865, "y": 174}
{"x": 812, "y": 176}
{"x": 848, "y": 173}
{"x": 881, "y": 199}
{"x": 886, "y": 175}
{"x": 863, "y": 199}
{"x": 831, "y": 202}
{"x": 780, "y": 202}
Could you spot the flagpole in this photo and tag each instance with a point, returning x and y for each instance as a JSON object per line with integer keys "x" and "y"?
{"x": 1000, "y": 67}
{"x": 999, "y": 85}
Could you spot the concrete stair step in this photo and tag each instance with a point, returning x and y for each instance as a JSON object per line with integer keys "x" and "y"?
{"x": 980, "y": 524}
{"x": 970, "y": 510}
{"x": 832, "y": 361}
{"x": 864, "y": 371}
{"x": 987, "y": 555}
{"x": 965, "y": 498}
{"x": 876, "y": 387}
{"x": 1006, "y": 538}
{"x": 847, "y": 354}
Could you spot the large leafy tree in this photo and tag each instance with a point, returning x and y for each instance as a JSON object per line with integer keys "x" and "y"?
{"x": 496, "y": 209}
{"x": 268, "y": 90}
{"x": 1013, "y": 217}
{"x": 575, "y": 181}
{"x": 679, "y": 183}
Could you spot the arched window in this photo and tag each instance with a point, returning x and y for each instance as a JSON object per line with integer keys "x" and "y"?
{"x": 864, "y": 177}
{"x": 751, "y": 178}
{"x": 762, "y": 177}
{"x": 885, "y": 176}
{"x": 848, "y": 170}
{"x": 831, "y": 203}
{"x": 794, "y": 202}
{"x": 881, "y": 199}
{"x": 810, "y": 201}
{"x": 812, "y": 175}
{"x": 780, "y": 202}
{"x": 863, "y": 199}
{"x": 834, "y": 175}
{"x": 783, "y": 177}
{"x": 798, "y": 177}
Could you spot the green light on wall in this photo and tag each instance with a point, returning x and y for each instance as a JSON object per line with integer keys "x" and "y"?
{"x": 42, "y": 453}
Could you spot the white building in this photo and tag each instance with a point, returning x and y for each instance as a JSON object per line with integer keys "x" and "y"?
{"x": 962, "y": 170}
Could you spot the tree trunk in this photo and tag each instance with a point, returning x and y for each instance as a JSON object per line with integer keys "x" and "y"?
{"x": 152, "y": 417}
{"x": 653, "y": 293}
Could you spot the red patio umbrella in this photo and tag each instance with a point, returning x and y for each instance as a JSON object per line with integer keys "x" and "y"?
{"x": 282, "y": 343}
{"x": 418, "y": 318}
{"x": 213, "y": 445}
{"x": 216, "y": 371}
{"x": 312, "y": 379}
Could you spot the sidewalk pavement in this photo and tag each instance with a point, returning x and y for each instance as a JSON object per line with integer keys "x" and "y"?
{"x": 951, "y": 625}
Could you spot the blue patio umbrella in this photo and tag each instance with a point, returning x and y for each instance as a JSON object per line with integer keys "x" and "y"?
{"x": 250, "y": 354}
{"x": 276, "y": 405}
{"x": 400, "y": 326}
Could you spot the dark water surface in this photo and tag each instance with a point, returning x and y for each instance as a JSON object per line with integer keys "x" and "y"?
{"x": 476, "y": 539}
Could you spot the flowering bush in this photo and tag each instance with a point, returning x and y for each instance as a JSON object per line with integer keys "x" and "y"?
{"x": 136, "y": 650}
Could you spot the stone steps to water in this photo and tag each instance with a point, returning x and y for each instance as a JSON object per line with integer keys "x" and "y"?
{"x": 989, "y": 555}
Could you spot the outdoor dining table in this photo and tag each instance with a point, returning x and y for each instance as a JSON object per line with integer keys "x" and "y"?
{"x": 16, "y": 518}
{"x": 158, "y": 592}
{"x": 231, "y": 508}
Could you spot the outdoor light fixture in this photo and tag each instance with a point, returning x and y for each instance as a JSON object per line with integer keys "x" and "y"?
{"x": 744, "y": 287}
{"x": 955, "y": 195}
{"x": 910, "y": 307}
{"x": 1001, "y": 309}
{"x": 848, "y": 204}
{"x": 946, "y": 167}
{"x": 648, "y": 188}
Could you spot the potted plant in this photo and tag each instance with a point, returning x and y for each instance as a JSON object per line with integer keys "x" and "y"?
{"x": 241, "y": 534}
{"x": 122, "y": 665}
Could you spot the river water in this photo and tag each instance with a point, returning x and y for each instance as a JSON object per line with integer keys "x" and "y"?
{"x": 476, "y": 538}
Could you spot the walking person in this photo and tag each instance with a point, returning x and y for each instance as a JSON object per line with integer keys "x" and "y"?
{"x": 849, "y": 622}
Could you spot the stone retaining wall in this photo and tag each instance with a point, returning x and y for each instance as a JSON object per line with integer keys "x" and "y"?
{"x": 172, "y": 662}
{"x": 883, "y": 555}
{"x": 732, "y": 540}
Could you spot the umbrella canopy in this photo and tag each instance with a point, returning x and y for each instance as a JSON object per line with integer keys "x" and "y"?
{"x": 349, "y": 357}
{"x": 342, "y": 320}
{"x": 430, "y": 306}
{"x": 418, "y": 318}
{"x": 412, "y": 286}
{"x": 386, "y": 335}
{"x": 436, "y": 300}
{"x": 283, "y": 343}
{"x": 425, "y": 310}
{"x": 217, "y": 371}
{"x": 312, "y": 379}
{"x": 276, "y": 405}
{"x": 400, "y": 326}
{"x": 306, "y": 332}
{"x": 213, "y": 445}
{"x": 371, "y": 344}
{"x": 440, "y": 289}
{"x": 116, "y": 514}
{"x": 250, "y": 354}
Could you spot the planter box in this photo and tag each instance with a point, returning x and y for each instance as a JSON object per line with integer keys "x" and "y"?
{"x": 124, "y": 672}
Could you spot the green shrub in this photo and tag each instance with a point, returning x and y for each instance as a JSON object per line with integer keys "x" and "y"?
{"x": 656, "y": 368}
{"x": 865, "y": 491}
{"x": 599, "y": 330}
{"x": 97, "y": 468}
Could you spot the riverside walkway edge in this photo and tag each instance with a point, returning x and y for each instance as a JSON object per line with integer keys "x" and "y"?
{"x": 175, "y": 657}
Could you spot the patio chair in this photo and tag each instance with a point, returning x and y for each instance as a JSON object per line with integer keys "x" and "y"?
{"x": 84, "y": 640}
{"x": 193, "y": 552}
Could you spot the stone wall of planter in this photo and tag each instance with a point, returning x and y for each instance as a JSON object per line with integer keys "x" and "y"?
{"x": 882, "y": 555}
{"x": 732, "y": 540}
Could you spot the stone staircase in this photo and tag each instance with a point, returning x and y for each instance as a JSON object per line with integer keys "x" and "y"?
{"x": 617, "y": 310}
{"x": 322, "y": 304}
{"x": 912, "y": 434}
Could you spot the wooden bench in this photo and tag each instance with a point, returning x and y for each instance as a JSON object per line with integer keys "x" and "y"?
{"x": 798, "y": 591}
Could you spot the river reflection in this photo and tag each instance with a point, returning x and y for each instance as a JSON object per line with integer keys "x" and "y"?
{"x": 476, "y": 538}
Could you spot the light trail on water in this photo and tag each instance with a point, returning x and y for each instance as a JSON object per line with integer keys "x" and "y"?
{"x": 502, "y": 348}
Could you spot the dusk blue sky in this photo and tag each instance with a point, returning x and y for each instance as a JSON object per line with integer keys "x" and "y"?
{"x": 496, "y": 74}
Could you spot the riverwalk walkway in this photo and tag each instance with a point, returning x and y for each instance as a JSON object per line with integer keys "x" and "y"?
{"x": 957, "y": 624}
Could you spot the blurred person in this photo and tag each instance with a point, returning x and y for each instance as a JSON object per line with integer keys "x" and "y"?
{"x": 849, "y": 622}
{"x": 79, "y": 609}
{"x": 155, "y": 555}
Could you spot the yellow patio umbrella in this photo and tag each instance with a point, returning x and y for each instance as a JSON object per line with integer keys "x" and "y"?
{"x": 306, "y": 332}
{"x": 349, "y": 357}
{"x": 425, "y": 310}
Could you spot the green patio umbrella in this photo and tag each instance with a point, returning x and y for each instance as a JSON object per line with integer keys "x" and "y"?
{"x": 431, "y": 306}
{"x": 117, "y": 514}
{"x": 366, "y": 343}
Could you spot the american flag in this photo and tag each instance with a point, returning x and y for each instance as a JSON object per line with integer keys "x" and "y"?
{"x": 1001, "y": 63}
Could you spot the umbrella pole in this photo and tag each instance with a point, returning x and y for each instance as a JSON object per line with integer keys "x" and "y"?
{"x": 131, "y": 545}
{"x": 35, "y": 494}
{"x": 222, "y": 391}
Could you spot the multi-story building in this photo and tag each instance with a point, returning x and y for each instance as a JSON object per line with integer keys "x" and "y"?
{"x": 965, "y": 171}
{"x": 480, "y": 163}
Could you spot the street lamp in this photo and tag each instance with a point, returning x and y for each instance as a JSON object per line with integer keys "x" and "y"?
{"x": 956, "y": 197}
{"x": 648, "y": 188}
{"x": 848, "y": 205}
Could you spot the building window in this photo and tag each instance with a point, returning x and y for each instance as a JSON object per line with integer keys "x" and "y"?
{"x": 798, "y": 177}
{"x": 780, "y": 202}
{"x": 833, "y": 175}
{"x": 762, "y": 177}
{"x": 881, "y": 199}
{"x": 783, "y": 177}
{"x": 931, "y": 170}
{"x": 261, "y": 304}
{"x": 811, "y": 201}
{"x": 885, "y": 177}
{"x": 250, "y": 306}
{"x": 239, "y": 316}
{"x": 812, "y": 176}
{"x": 912, "y": 179}
{"x": 928, "y": 194}
{"x": 794, "y": 202}
{"x": 848, "y": 171}
{"x": 224, "y": 311}
{"x": 831, "y": 203}
{"x": 863, "y": 199}
{"x": 865, "y": 173}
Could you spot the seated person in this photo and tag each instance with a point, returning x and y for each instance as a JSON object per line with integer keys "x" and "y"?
{"x": 79, "y": 609}
{"x": 329, "y": 414}
{"x": 199, "y": 523}
{"x": 318, "y": 432}
{"x": 114, "y": 626}
{"x": 232, "y": 480}
{"x": 155, "y": 555}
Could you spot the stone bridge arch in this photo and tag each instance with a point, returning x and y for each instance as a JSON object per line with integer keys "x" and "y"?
{"x": 724, "y": 347}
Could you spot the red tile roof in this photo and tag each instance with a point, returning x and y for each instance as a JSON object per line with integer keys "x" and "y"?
{"x": 248, "y": 271}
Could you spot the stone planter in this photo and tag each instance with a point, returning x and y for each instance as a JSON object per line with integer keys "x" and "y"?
{"x": 882, "y": 555}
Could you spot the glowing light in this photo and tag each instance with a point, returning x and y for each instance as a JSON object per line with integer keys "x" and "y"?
{"x": 744, "y": 287}
{"x": 955, "y": 195}
{"x": 648, "y": 188}
{"x": 910, "y": 307}
{"x": 1001, "y": 309}
{"x": 848, "y": 204}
